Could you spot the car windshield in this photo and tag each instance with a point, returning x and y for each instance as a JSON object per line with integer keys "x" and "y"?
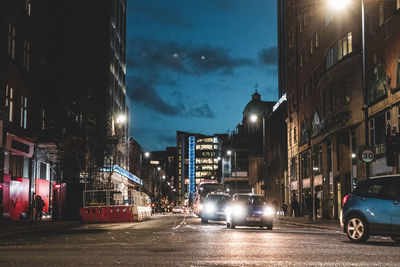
{"x": 252, "y": 200}
{"x": 220, "y": 199}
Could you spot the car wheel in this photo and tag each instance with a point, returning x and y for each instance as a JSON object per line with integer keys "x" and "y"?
{"x": 204, "y": 220}
{"x": 396, "y": 239}
{"x": 269, "y": 227}
{"x": 231, "y": 226}
{"x": 228, "y": 225}
{"x": 357, "y": 229}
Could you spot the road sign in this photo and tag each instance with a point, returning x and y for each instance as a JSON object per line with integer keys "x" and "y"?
{"x": 367, "y": 154}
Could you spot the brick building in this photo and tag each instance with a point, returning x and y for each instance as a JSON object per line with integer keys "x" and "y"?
{"x": 321, "y": 70}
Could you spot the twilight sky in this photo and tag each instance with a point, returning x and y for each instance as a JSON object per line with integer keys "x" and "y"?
{"x": 193, "y": 65}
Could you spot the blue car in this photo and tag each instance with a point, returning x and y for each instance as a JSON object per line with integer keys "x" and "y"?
{"x": 373, "y": 208}
{"x": 249, "y": 210}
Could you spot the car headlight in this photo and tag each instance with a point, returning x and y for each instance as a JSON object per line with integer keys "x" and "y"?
{"x": 268, "y": 211}
{"x": 210, "y": 207}
{"x": 238, "y": 211}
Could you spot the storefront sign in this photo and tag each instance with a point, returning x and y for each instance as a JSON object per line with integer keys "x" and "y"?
{"x": 19, "y": 146}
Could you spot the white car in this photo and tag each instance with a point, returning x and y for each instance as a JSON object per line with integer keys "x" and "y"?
{"x": 177, "y": 209}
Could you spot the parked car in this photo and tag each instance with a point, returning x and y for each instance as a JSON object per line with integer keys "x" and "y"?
{"x": 213, "y": 208}
{"x": 373, "y": 208}
{"x": 249, "y": 210}
{"x": 177, "y": 209}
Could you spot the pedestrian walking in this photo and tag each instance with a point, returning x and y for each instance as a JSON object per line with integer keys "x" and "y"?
{"x": 39, "y": 204}
{"x": 309, "y": 206}
{"x": 295, "y": 206}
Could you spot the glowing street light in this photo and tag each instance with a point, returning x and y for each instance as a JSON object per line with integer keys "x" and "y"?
{"x": 229, "y": 152}
{"x": 147, "y": 154}
{"x": 338, "y": 4}
{"x": 253, "y": 118}
{"x": 158, "y": 168}
{"x": 121, "y": 118}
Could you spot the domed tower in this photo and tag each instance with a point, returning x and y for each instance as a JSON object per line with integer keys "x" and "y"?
{"x": 254, "y": 112}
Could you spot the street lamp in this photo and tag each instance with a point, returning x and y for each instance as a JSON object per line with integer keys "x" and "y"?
{"x": 340, "y": 5}
{"x": 147, "y": 154}
{"x": 254, "y": 119}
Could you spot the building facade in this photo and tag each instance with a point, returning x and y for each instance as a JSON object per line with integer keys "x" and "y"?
{"x": 322, "y": 71}
{"x": 198, "y": 159}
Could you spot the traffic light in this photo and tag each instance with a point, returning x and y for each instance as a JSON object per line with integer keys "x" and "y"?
{"x": 392, "y": 149}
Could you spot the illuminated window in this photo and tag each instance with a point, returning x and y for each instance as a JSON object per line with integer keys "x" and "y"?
{"x": 342, "y": 48}
{"x": 24, "y": 111}
{"x": 10, "y": 102}
{"x": 27, "y": 54}
{"x": 11, "y": 41}
{"x": 397, "y": 4}
{"x": 28, "y": 6}
{"x": 316, "y": 39}
{"x": 311, "y": 46}
{"x": 43, "y": 117}
{"x": 381, "y": 14}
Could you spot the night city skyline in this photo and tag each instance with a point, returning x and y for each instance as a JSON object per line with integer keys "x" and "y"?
{"x": 193, "y": 66}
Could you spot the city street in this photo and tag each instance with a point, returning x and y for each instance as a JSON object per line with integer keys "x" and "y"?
{"x": 181, "y": 240}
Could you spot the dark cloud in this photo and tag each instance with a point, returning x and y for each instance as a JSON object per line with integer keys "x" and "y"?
{"x": 157, "y": 12}
{"x": 143, "y": 92}
{"x": 153, "y": 55}
{"x": 269, "y": 55}
{"x": 207, "y": 59}
{"x": 202, "y": 111}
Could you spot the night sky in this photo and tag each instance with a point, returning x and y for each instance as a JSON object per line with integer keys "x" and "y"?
{"x": 193, "y": 65}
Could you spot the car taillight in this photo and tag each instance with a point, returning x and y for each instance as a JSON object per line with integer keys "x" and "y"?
{"x": 345, "y": 199}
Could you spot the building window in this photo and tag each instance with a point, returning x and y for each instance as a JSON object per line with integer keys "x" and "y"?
{"x": 379, "y": 127}
{"x": 28, "y": 6}
{"x": 311, "y": 46}
{"x": 11, "y": 41}
{"x": 346, "y": 92}
{"x": 27, "y": 54}
{"x": 381, "y": 14}
{"x": 398, "y": 71}
{"x": 43, "y": 123}
{"x": 10, "y": 102}
{"x": 316, "y": 40}
{"x": 305, "y": 164}
{"x": 397, "y": 4}
{"x": 316, "y": 124}
{"x": 342, "y": 48}
{"x": 303, "y": 133}
{"x": 377, "y": 87}
{"x": 24, "y": 111}
{"x": 293, "y": 169}
{"x": 300, "y": 25}
{"x": 301, "y": 59}
{"x": 317, "y": 160}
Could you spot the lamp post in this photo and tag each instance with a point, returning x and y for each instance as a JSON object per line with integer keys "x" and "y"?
{"x": 229, "y": 152}
{"x": 341, "y": 4}
{"x": 254, "y": 119}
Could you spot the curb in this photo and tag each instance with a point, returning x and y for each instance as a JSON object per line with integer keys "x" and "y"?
{"x": 310, "y": 225}
{"x": 38, "y": 227}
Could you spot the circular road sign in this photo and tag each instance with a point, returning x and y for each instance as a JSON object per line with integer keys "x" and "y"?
{"x": 367, "y": 155}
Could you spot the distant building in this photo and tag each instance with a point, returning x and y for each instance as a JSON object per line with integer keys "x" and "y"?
{"x": 198, "y": 159}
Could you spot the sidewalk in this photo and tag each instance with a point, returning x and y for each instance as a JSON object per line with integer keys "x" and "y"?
{"x": 8, "y": 227}
{"x": 331, "y": 224}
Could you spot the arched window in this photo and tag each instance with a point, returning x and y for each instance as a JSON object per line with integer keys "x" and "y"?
{"x": 28, "y": 6}
{"x": 378, "y": 83}
{"x": 316, "y": 124}
{"x": 304, "y": 132}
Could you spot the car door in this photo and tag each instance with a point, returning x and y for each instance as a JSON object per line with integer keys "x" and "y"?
{"x": 377, "y": 207}
{"x": 396, "y": 208}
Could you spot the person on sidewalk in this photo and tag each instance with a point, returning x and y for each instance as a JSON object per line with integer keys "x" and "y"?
{"x": 39, "y": 204}
{"x": 295, "y": 206}
{"x": 309, "y": 206}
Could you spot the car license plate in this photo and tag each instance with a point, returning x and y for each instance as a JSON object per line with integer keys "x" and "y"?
{"x": 220, "y": 213}
{"x": 253, "y": 219}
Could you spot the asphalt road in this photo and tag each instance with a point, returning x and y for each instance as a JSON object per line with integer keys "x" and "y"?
{"x": 178, "y": 240}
